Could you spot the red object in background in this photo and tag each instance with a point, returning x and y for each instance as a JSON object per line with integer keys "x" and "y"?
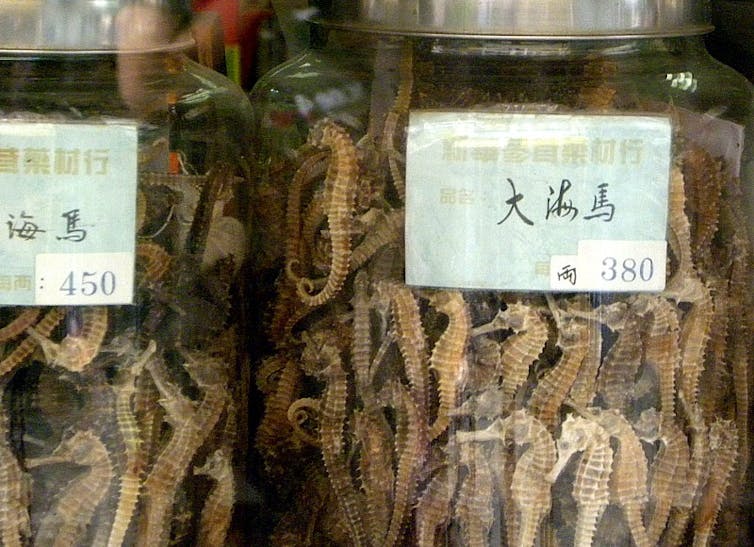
{"x": 241, "y": 31}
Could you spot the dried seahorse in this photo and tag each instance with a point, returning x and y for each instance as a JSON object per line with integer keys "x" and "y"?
{"x": 152, "y": 261}
{"x": 218, "y": 508}
{"x": 340, "y": 187}
{"x": 628, "y": 480}
{"x": 314, "y": 214}
{"x": 389, "y": 229}
{"x": 686, "y": 500}
{"x": 553, "y": 388}
{"x": 375, "y": 468}
{"x": 520, "y": 350}
{"x": 530, "y": 487}
{"x": 149, "y": 415}
{"x": 591, "y": 484}
{"x": 739, "y": 352}
{"x": 191, "y": 426}
{"x": 310, "y": 169}
{"x": 662, "y": 347}
{"x": 303, "y": 417}
{"x": 361, "y": 347}
{"x": 667, "y": 478}
{"x": 618, "y": 372}
{"x": 64, "y": 524}
{"x": 411, "y": 341}
{"x": 219, "y": 177}
{"x": 713, "y": 392}
{"x": 679, "y": 233}
{"x": 81, "y": 345}
{"x": 268, "y": 373}
{"x": 694, "y": 335}
{"x": 275, "y": 418}
{"x": 704, "y": 178}
{"x": 584, "y": 388}
{"x": 15, "y": 526}
{"x": 26, "y": 347}
{"x": 433, "y": 508}
{"x": 485, "y": 367}
{"x": 448, "y": 359}
{"x": 723, "y": 440}
{"x": 473, "y": 505}
{"x": 331, "y": 431}
{"x": 130, "y": 479}
{"x": 25, "y": 319}
{"x": 502, "y": 453}
{"x": 411, "y": 444}
{"x": 399, "y": 111}
{"x": 286, "y": 312}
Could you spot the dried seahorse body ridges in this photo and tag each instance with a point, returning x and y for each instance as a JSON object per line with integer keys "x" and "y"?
{"x": 443, "y": 416}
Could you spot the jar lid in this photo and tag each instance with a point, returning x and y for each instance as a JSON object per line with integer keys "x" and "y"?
{"x": 76, "y": 26}
{"x": 519, "y": 19}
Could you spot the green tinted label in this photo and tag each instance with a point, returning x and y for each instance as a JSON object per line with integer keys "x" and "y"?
{"x": 69, "y": 192}
{"x": 493, "y": 198}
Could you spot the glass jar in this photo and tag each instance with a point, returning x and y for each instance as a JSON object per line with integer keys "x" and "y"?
{"x": 125, "y": 209}
{"x": 503, "y": 262}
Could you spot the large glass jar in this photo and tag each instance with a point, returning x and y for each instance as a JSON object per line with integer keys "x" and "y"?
{"x": 504, "y": 276}
{"x": 125, "y": 210}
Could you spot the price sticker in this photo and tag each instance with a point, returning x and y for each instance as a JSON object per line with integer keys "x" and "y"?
{"x": 614, "y": 266}
{"x": 84, "y": 279}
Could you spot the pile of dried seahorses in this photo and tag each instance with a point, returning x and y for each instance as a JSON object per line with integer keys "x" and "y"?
{"x": 401, "y": 416}
{"x": 120, "y": 424}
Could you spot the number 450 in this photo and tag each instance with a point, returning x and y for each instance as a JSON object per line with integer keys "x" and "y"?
{"x": 88, "y": 283}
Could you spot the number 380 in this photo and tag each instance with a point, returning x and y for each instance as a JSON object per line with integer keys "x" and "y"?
{"x": 628, "y": 270}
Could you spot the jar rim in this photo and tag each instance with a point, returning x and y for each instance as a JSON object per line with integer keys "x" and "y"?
{"x": 92, "y": 26}
{"x": 182, "y": 45}
{"x": 520, "y": 19}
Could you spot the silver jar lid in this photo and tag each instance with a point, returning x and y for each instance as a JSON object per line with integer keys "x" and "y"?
{"x": 76, "y": 26}
{"x": 520, "y": 19}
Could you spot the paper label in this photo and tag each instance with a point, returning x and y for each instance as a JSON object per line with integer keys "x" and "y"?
{"x": 68, "y": 195}
{"x": 492, "y": 198}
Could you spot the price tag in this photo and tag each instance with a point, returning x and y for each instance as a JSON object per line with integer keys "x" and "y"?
{"x": 84, "y": 279}
{"x": 68, "y": 212}
{"x": 614, "y": 266}
{"x": 505, "y": 201}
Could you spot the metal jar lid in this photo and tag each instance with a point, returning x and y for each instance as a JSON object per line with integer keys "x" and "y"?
{"x": 77, "y": 26}
{"x": 521, "y": 19}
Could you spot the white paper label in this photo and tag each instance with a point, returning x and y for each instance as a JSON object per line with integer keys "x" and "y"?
{"x": 84, "y": 279}
{"x": 493, "y": 198}
{"x": 68, "y": 190}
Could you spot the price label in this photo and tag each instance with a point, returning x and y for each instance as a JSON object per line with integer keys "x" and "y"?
{"x": 492, "y": 198}
{"x": 69, "y": 190}
{"x": 84, "y": 279}
{"x": 615, "y": 266}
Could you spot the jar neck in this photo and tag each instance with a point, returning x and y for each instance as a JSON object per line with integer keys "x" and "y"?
{"x": 554, "y": 49}
{"x": 531, "y": 49}
{"x": 82, "y": 84}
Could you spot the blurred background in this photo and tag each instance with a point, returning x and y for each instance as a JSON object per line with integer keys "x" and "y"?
{"x": 245, "y": 38}
{"x": 732, "y": 42}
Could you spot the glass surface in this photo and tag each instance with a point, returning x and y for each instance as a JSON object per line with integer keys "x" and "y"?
{"x": 404, "y": 415}
{"x": 125, "y": 424}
